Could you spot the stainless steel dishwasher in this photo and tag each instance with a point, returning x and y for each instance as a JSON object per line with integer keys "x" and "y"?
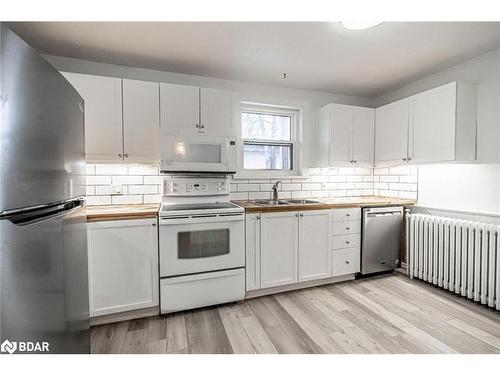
{"x": 380, "y": 239}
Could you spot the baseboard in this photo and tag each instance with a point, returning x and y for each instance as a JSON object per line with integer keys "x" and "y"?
{"x": 290, "y": 287}
{"x": 125, "y": 315}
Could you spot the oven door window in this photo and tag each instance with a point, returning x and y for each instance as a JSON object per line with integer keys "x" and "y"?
{"x": 202, "y": 243}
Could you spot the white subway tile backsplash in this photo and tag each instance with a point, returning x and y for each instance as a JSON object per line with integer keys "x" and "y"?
{"x": 111, "y": 169}
{"x": 142, "y": 170}
{"x": 290, "y": 186}
{"x": 238, "y": 196}
{"x": 98, "y": 200}
{"x": 98, "y": 180}
{"x": 259, "y": 195}
{"x": 143, "y": 184}
{"x": 126, "y": 199}
{"x": 127, "y": 180}
{"x": 143, "y": 189}
{"x": 248, "y": 187}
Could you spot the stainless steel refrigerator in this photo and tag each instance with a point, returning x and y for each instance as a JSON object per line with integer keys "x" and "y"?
{"x": 43, "y": 256}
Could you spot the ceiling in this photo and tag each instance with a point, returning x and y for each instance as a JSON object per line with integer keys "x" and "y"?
{"x": 316, "y": 56}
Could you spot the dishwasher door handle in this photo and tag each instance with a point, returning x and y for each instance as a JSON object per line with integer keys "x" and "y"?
{"x": 378, "y": 214}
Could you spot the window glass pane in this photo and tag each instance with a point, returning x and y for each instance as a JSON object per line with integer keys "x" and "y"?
{"x": 266, "y": 126}
{"x": 257, "y": 156}
{"x": 202, "y": 243}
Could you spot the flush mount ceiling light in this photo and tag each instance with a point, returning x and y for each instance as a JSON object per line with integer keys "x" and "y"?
{"x": 359, "y": 25}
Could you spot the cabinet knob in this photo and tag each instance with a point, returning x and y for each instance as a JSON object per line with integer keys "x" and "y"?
{"x": 348, "y": 215}
{"x": 120, "y": 155}
{"x": 258, "y": 217}
{"x": 347, "y": 228}
{"x": 296, "y": 215}
{"x": 301, "y": 215}
{"x": 404, "y": 159}
{"x": 409, "y": 159}
{"x": 126, "y": 155}
{"x": 354, "y": 161}
{"x": 347, "y": 242}
{"x": 347, "y": 262}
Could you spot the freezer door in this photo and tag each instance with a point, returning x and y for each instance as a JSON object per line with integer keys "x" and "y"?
{"x": 44, "y": 278}
{"x": 41, "y": 129}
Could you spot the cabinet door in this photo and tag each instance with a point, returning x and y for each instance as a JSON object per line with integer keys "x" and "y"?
{"x": 141, "y": 121}
{"x": 433, "y": 124}
{"x": 340, "y": 134}
{"x": 391, "y": 132}
{"x": 216, "y": 112}
{"x": 123, "y": 265}
{"x": 315, "y": 245}
{"x": 103, "y": 115}
{"x": 252, "y": 246}
{"x": 179, "y": 108}
{"x": 323, "y": 137}
{"x": 363, "y": 135}
{"x": 279, "y": 249}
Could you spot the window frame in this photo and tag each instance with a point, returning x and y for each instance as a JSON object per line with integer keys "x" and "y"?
{"x": 264, "y": 109}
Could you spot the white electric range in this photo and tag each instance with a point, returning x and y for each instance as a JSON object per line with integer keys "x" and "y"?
{"x": 202, "y": 243}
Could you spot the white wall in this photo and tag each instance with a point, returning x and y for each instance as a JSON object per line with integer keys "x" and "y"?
{"x": 462, "y": 187}
{"x": 471, "y": 187}
{"x": 305, "y": 100}
{"x": 484, "y": 71}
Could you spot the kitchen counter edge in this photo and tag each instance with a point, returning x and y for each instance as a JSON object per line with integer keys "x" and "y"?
{"x": 122, "y": 212}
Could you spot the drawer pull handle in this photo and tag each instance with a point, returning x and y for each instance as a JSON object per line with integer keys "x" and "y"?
{"x": 347, "y": 262}
{"x": 347, "y": 228}
{"x": 347, "y": 215}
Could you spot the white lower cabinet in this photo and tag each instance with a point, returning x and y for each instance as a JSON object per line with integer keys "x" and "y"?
{"x": 279, "y": 249}
{"x": 345, "y": 261}
{"x": 314, "y": 245}
{"x": 346, "y": 240}
{"x": 252, "y": 247}
{"x": 287, "y": 247}
{"x": 123, "y": 265}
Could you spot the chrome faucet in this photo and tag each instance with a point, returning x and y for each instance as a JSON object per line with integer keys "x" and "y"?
{"x": 275, "y": 190}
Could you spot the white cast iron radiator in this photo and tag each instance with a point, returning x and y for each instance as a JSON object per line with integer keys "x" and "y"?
{"x": 459, "y": 255}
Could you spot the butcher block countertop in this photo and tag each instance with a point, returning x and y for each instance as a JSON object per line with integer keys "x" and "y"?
{"x": 326, "y": 203}
{"x": 122, "y": 212}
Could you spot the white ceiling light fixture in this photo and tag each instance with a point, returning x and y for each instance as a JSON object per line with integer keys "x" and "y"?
{"x": 360, "y": 24}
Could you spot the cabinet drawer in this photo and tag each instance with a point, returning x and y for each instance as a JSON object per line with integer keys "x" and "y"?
{"x": 204, "y": 289}
{"x": 346, "y": 227}
{"x": 346, "y": 240}
{"x": 345, "y": 261}
{"x": 346, "y": 214}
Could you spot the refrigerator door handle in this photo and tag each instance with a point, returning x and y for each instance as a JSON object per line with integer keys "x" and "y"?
{"x": 48, "y": 212}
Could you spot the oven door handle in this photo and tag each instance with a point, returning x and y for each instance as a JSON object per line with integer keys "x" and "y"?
{"x": 201, "y": 219}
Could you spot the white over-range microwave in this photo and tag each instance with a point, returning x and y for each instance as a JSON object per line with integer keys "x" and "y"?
{"x": 198, "y": 154}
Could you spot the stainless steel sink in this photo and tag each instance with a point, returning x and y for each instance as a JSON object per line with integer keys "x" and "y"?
{"x": 270, "y": 202}
{"x": 302, "y": 201}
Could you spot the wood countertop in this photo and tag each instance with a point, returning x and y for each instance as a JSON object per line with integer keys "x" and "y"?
{"x": 122, "y": 212}
{"x": 327, "y": 203}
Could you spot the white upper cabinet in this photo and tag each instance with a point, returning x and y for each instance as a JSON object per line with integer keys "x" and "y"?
{"x": 437, "y": 125}
{"x": 141, "y": 121}
{"x": 443, "y": 124}
{"x": 179, "y": 108}
{"x": 340, "y": 133}
{"x": 103, "y": 115}
{"x": 191, "y": 110}
{"x": 216, "y": 112}
{"x": 363, "y": 133}
{"x": 349, "y": 131}
{"x": 391, "y": 133}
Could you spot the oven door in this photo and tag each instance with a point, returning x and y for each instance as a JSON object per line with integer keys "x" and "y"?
{"x": 201, "y": 243}
{"x": 202, "y": 154}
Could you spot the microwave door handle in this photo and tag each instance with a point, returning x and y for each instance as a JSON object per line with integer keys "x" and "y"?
{"x": 201, "y": 219}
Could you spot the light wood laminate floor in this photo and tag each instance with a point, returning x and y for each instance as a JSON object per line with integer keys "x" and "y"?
{"x": 389, "y": 314}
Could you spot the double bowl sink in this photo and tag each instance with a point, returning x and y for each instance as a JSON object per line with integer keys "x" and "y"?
{"x": 284, "y": 202}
